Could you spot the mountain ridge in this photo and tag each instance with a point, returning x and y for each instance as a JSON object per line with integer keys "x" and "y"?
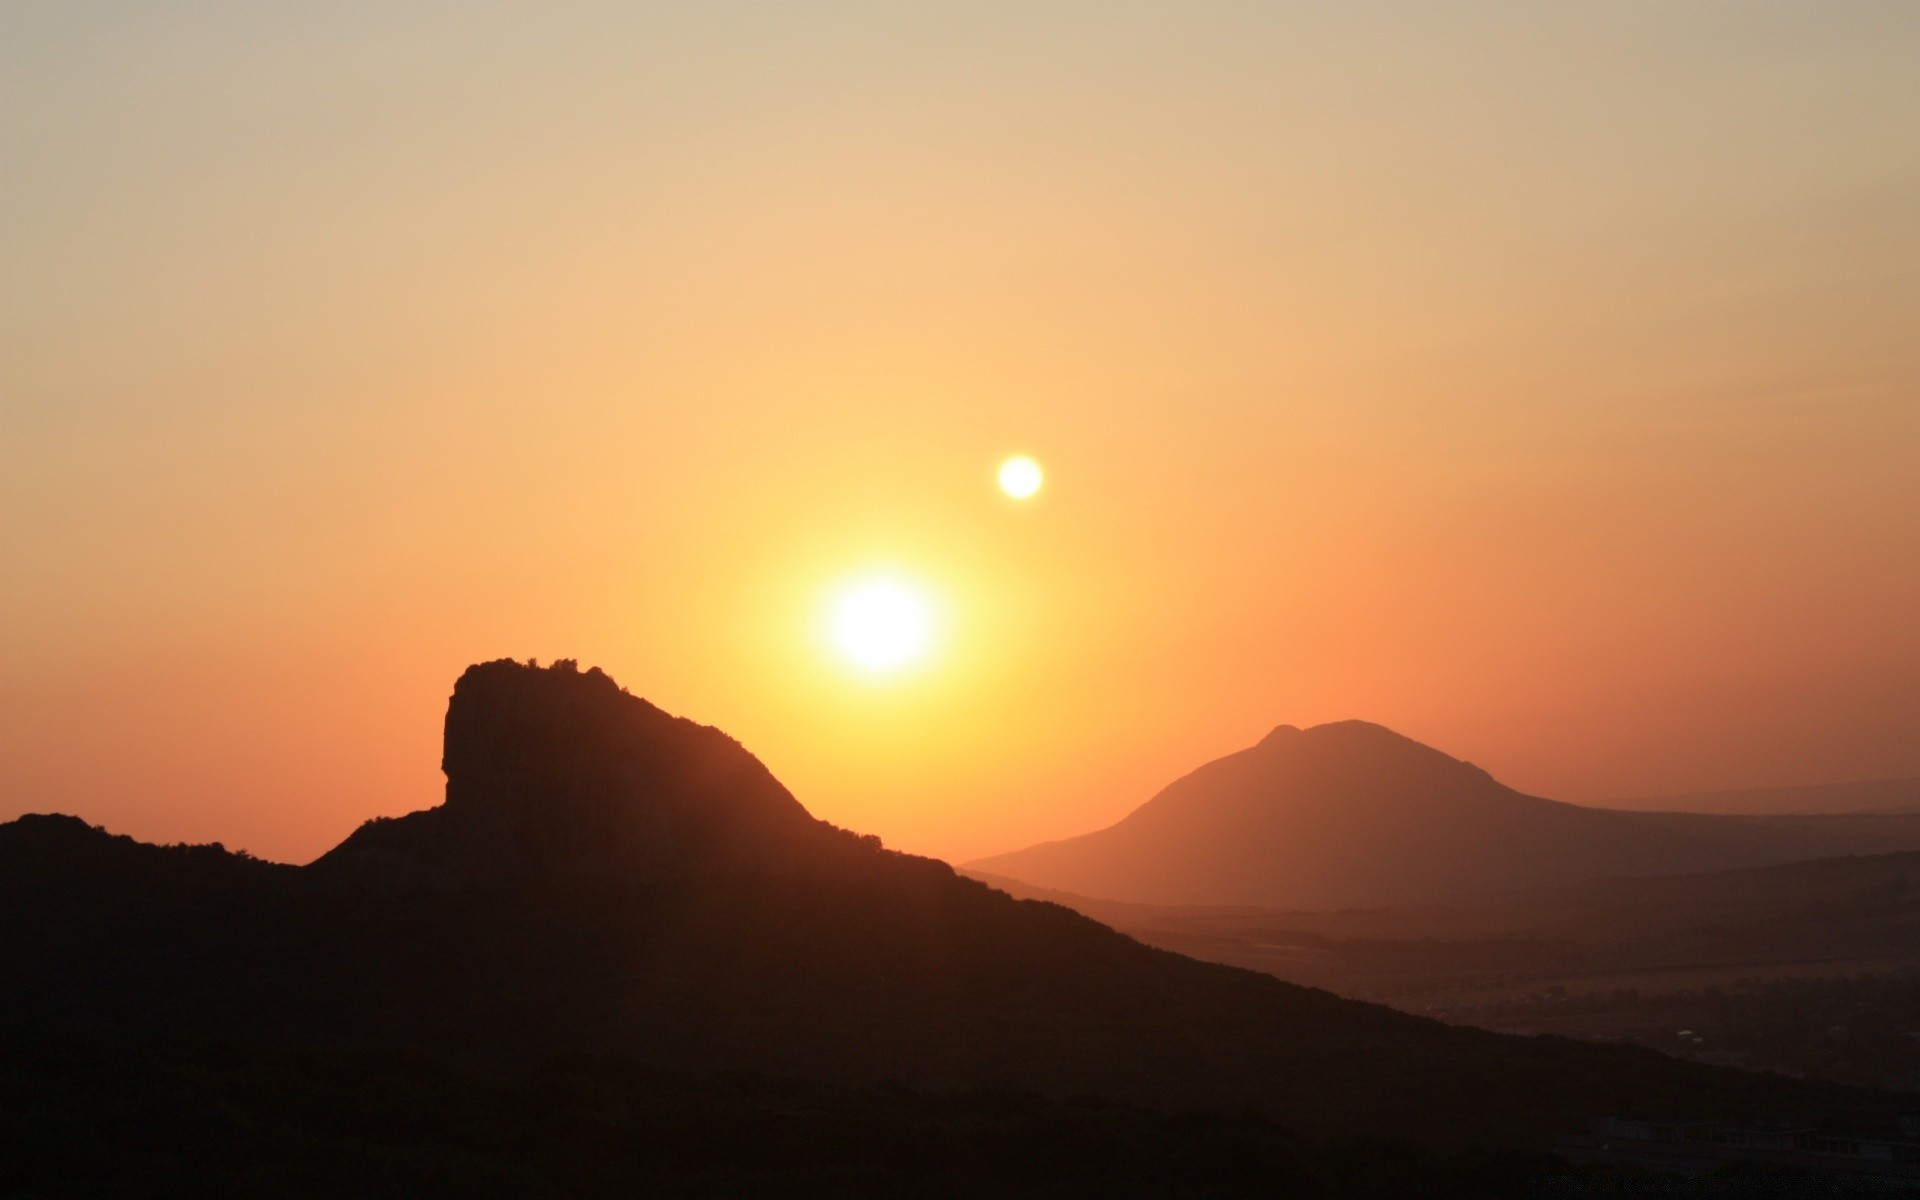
{"x": 559, "y": 904}
{"x": 1352, "y": 813}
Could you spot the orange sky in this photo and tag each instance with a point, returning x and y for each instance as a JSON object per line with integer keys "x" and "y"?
{"x": 1540, "y": 383}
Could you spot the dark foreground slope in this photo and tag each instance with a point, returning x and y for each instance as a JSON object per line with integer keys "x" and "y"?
{"x": 608, "y": 880}
{"x": 157, "y": 1118}
{"x": 1353, "y": 815}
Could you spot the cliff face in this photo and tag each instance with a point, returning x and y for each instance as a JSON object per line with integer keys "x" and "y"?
{"x": 556, "y": 769}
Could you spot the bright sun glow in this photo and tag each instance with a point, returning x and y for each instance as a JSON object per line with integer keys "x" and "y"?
{"x": 882, "y": 624}
{"x": 1020, "y": 477}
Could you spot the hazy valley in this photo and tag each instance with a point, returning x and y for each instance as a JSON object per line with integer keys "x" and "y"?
{"x": 1809, "y": 966}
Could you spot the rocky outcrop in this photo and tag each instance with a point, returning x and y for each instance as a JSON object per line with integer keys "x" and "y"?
{"x": 561, "y": 770}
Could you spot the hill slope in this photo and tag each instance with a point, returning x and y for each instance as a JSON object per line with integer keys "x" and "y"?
{"x": 1352, "y": 814}
{"x": 606, "y": 879}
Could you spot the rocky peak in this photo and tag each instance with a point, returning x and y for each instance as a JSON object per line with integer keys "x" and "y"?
{"x": 556, "y": 768}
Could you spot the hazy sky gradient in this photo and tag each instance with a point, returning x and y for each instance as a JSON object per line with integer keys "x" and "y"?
{"x": 1539, "y": 380}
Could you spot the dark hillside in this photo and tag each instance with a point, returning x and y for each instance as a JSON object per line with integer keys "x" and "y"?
{"x": 161, "y": 1118}
{"x": 620, "y": 882}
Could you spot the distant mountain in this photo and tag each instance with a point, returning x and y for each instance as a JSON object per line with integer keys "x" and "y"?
{"x": 1865, "y": 796}
{"x": 1354, "y": 815}
{"x": 605, "y": 879}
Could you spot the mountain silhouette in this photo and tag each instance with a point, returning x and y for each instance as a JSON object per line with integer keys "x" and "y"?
{"x": 1352, "y": 814}
{"x": 561, "y": 770}
{"x": 605, "y": 879}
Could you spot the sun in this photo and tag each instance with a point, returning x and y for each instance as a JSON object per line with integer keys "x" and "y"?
{"x": 882, "y": 625}
{"x": 1020, "y": 477}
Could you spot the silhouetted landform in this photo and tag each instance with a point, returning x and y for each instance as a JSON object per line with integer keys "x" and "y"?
{"x": 605, "y": 879}
{"x": 1702, "y": 1147}
{"x": 204, "y": 1120}
{"x": 1354, "y": 815}
{"x": 1864, "y": 796}
{"x": 561, "y": 771}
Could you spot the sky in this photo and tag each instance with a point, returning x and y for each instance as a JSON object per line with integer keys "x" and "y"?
{"x": 1540, "y": 381}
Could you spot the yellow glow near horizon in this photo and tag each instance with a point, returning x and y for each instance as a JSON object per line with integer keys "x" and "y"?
{"x": 1020, "y": 477}
{"x": 882, "y": 624}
